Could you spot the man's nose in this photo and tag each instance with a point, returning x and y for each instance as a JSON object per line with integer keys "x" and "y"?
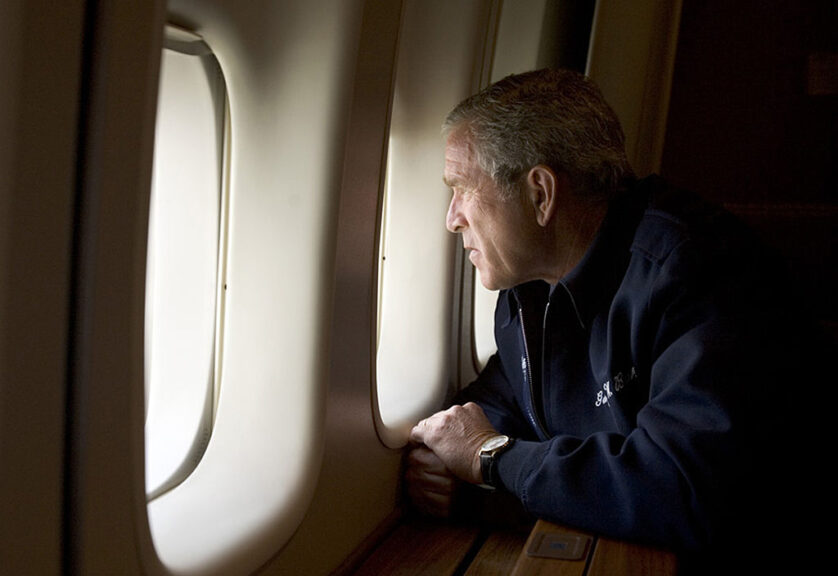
{"x": 454, "y": 220}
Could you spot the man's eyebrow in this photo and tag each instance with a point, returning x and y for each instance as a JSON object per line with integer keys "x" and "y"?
{"x": 449, "y": 182}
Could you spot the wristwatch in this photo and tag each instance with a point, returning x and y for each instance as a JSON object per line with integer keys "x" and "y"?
{"x": 489, "y": 452}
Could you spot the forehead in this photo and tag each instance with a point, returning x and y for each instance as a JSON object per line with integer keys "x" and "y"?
{"x": 460, "y": 159}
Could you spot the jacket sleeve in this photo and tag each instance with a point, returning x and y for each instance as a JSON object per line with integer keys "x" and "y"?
{"x": 685, "y": 476}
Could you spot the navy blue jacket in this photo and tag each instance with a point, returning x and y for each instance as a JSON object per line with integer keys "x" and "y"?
{"x": 648, "y": 391}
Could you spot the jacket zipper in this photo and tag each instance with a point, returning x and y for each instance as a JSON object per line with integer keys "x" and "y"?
{"x": 543, "y": 363}
{"x": 531, "y": 411}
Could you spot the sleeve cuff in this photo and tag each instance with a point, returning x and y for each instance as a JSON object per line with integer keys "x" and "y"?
{"x": 516, "y": 464}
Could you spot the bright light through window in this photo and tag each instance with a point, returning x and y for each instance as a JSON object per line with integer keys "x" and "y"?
{"x": 484, "y": 322}
{"x": 182, "y": 282}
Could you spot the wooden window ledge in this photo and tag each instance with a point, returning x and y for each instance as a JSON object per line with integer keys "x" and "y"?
{"x": 428, "y": 548}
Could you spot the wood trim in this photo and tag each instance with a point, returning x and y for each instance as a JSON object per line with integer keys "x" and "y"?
{"x": 421, "y": 548}
{"x": 365, "y": 549}
{"x": 528, "y": 565}
{"x": 436, "y": 548}
{"x": 602, "y": 557}
{"x": 498, "y": 554}
{"x": 613, "y": 557}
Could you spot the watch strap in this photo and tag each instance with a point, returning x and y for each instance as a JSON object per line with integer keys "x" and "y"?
{"x": 489, "y": 462}
{"x": 488, "y": 466}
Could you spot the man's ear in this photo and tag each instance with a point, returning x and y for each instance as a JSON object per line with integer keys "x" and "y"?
{"x": 546, "y": 188}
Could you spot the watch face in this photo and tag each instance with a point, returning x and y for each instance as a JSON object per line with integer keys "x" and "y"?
{"x": 494, "y": 443}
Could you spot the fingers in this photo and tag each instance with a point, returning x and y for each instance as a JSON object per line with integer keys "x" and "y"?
{"x": 426, "y": 471}
{"x": 455, "y": 436}
{"x": 430, "y": 486}
{"x": 417, "y": 433}
{"x": 423, "y": 458}
{"x": 437, "y": 427}
{"x": 431, "y": 483}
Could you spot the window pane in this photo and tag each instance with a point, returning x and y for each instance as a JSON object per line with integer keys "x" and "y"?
{"x": 484, "y": 322}
{"x": 182, "y": 269}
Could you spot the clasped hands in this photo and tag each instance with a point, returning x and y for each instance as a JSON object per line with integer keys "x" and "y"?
{"x": 445, "y": 451}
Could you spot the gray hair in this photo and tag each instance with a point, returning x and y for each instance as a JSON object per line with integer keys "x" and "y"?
{"x": 558, "y": 118}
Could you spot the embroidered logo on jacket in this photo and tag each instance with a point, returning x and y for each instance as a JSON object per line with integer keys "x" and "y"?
{"x": 615, "y": 385}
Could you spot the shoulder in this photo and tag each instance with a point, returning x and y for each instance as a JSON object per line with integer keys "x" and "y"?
{"x": 679, "y": 227}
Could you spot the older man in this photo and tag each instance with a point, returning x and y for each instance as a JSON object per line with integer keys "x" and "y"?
{"x": 643, "y": 335}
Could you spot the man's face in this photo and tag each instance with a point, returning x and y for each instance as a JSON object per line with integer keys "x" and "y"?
{"x": 494, "y": 231}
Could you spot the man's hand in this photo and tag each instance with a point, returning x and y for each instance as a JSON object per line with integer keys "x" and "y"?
{"x": 430, "y": 485}
{"x": 455, "y": 436}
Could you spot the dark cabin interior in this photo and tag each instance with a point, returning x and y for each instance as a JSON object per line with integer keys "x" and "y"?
{"x": 753, "y": 123}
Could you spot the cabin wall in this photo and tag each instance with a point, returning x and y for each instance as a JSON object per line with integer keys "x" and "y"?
{"x": 40, "y": 67}
{"x": 104, "y": 517}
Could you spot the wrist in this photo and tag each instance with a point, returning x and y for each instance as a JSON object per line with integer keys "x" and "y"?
{"x": 489, "y": 452}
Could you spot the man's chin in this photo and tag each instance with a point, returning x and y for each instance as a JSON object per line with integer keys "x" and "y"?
{"x": 488, "y": 282}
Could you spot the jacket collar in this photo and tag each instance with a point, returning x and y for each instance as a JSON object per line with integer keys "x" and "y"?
{"x": 596, "y": 278}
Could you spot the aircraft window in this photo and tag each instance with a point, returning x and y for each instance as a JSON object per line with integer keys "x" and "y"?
{"x": 413, "y": 317}
{"x": 484, "y": 322}
{"x": 183, "y": 274}
{"x": 416, "y": 253}
{"x": 289, "y": 79}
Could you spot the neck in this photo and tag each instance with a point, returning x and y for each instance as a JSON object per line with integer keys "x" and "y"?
{"x": 572, "y": 237}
